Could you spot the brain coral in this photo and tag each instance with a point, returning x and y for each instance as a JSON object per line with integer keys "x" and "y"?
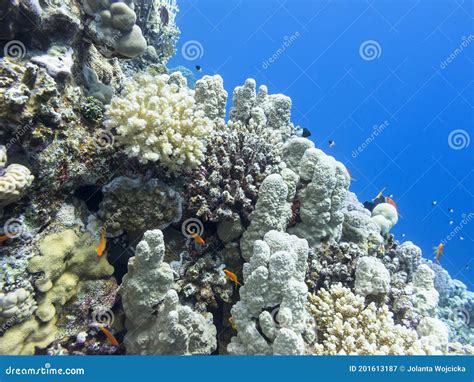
{"x": 157, "y": 120}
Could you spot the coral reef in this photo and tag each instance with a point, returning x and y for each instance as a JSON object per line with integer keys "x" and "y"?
{"x": 270, "y": 317}
{"x": 350, "y": 327}
{"x": 156, "y": 321}
{"x": 321, "y": 199}
{"x": 135, "y": 205}
{"x": 106, "y": 155}
{"x": 171, "y": 131}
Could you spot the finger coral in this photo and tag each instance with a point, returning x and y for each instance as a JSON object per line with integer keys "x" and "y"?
{"x": 271, "y": 317}
{"x": 156, "y": 321}
{"x": 157, "y": 121}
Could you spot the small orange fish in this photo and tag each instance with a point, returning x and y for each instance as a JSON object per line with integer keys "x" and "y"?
{"x": 391, "y": 201}
{"x": 4, "y": 238}
{"x": 113, "y": 341}
{"x": 198, "y": 240}
{"x": 438, "y": 251}
{"x": 102, "y": 243}
{"x": 232, "y": 323}
{"x": 232, "y": 277}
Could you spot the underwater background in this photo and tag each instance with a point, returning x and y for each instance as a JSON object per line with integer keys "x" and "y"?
{"x": 340, "y": 96}
{"x": 236, "y": 177}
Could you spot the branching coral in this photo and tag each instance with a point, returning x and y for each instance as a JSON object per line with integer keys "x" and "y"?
{"x": 157, "y": 120}
{"x": 346, "y": 326}
{"x": 227, "y": 183}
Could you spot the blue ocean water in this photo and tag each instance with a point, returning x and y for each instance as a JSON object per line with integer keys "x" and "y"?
{"x": 404, "y": 67}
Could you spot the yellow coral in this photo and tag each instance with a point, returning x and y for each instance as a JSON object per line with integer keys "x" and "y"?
{"x": 65, "y": 259}
{"x": 347, "y": 326}
{"x": 157, "y": 120}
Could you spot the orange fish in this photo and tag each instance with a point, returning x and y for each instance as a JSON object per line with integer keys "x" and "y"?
{"x": 102, "y": 243}
{"x": 232, "y": 323}
{"x": 391, "y": 201}
{"x": 4, "y": 238}
{"x": 198, "y": 240}
{"x": 113, "y": 341}
{"x": 438, "y": 251}
{"x": 232, "y": 277}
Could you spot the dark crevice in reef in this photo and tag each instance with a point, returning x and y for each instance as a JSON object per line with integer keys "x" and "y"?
{"x": 91, "y": 195}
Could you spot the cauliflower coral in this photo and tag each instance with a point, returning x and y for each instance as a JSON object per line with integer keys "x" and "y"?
{"x": 347, "y": 326}
{"x": 156, "y": 119}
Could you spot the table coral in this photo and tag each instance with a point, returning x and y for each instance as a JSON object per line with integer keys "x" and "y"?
{"x": 157, "y": 121}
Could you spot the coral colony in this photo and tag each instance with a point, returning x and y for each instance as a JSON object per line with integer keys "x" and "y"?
{"x": 139, "y": 218}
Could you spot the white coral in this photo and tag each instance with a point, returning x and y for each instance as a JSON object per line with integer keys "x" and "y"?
{"x": 273, "y": 298}
{"x": 157, "y": 120}
{"x": 273, "y": 209}
{"x": 386, "y": 216}
{"x": 347, "y": 326}
{"x": 147, "y": 293}
{"x": 322, "y": 200}
{"x": 372, "y": 278}
{"x": 14, "y": 183}
{"x": 424, "y": 295}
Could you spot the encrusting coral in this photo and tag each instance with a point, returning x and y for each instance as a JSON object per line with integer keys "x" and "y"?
{"x": 156, "y": 120}
{"x": 136, "y": 205}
